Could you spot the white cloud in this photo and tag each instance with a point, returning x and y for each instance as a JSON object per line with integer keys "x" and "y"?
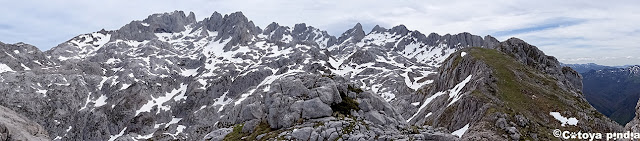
{"x": 565, "y": 29}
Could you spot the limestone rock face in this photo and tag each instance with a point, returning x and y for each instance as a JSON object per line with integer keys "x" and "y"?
{"x": 14, "y": 126}
{"x": 634, "y": 124}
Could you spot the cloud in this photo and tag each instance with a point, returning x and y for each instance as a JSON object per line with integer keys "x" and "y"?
{"x": 545, "y": 25}
{"x": 565, "y": 29}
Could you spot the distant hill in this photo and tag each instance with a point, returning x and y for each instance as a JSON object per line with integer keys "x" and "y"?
{"x": 582, "y": 68}
{"x": 613, "y": 91}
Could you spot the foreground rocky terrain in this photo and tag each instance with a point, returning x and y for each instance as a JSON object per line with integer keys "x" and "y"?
{"x": 171, "y": 77}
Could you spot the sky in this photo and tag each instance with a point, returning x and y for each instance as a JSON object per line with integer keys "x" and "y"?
{"x": 574, "y": 31}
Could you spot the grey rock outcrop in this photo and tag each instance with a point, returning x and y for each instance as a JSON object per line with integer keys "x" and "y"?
{"x": 156, "y": 23}
{"x": 634, "y": 124}
{"x": 21, "y": 57}
{"x": 14, "y": 126}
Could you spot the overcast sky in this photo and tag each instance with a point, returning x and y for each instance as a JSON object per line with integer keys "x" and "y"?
{"x": 574, "y": 31}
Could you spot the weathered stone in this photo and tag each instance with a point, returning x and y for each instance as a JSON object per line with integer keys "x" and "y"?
{"x": 375, "y": 117}
{"x": 315, "y": 108}
{"x": 302, "y": 133}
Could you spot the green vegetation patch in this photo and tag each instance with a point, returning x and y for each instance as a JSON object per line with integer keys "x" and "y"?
{"x": 347, "y": 103}
{"x": 526, "y": 91}
{"x": 261, "y": 128}
{"x": 236, "y": 134}
{"x": 513, "y": 87}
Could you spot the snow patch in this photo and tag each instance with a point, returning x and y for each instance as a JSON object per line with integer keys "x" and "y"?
{"x": 179, "y": 130}
{"x": 125, "y": 86}
{"x": 145, "y": 137}
{"x": 425, "y": 103}
{"x": 87, "y": 45}
{"x": 112, "y": 60}
{"x": 43, "y": 92}
{"x": 25, "y": 67}
{"x": 68, "y": 129}
{"x": 461, "y": 131}
{"x": 221, "y": 101}
{"x": 388, "y": 96}
{"x": 174, "y": 121}
{"x": 161, "y": 100}
{"x": 571, "y": 121}
{"x": 454, "y": 93}
{"x": 463, "y": 54}
{"x": 189, "y": 72}
{"x": 114, "y": 137}
{"x": 104, "y": 79}
{"x": 5, "y": 68}
{"x": 203, "y": 82}
{"x": 102, "y": 100}
{"x": 415, "y": 85}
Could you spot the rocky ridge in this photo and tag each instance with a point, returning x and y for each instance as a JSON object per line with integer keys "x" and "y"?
{"x": 507, "y": 92}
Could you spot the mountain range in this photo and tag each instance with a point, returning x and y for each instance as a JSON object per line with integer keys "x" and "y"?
{"x": 612, "y": 91}
{"x": 583, "y": 68}
{"x": 172, "y": 77}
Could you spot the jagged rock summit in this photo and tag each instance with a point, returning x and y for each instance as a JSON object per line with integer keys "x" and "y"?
{"x": 171, "y": 77}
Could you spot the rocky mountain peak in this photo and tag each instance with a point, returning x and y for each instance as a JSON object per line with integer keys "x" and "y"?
{"x": 272, "y": 26}
{"x": 354, "y": 34}
{"x": 399, "y": 30}
{"x": 236, "y": 18}
{"x": 192, "y": 16}
{"x": 234, "y": 26}
{"x": 378, "y": 29}
{"x": 213, "y": 21}
{"x": 490, "y": 41}
{"x": 515, "y": 41}
{"x": 275, "y": 32}
{"x": 299, "y": 28}
{"x": 228, "y": 22}
{"x": 172, "y": 20}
